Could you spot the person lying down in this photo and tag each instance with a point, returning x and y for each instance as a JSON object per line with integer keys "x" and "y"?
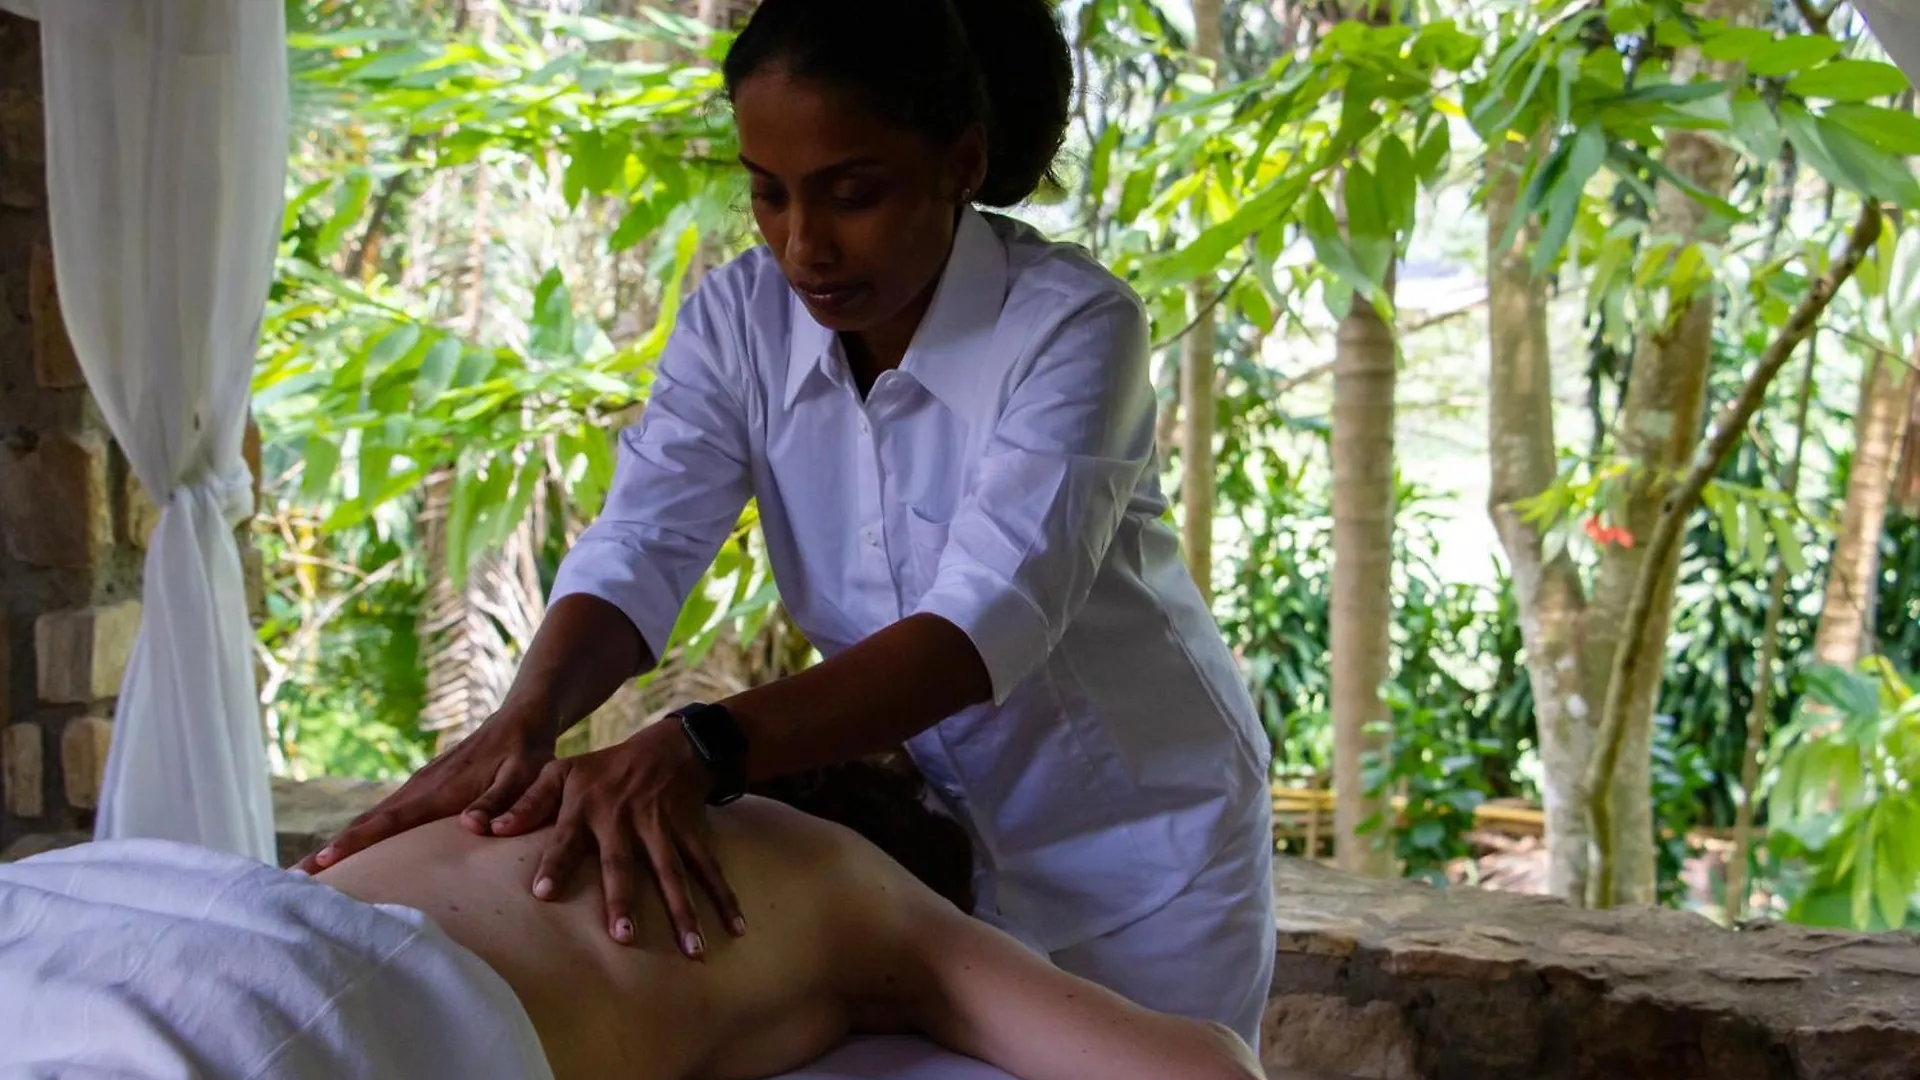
{"x": 425, "y": 957}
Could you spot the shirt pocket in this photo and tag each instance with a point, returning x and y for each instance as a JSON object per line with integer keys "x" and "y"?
{"x": 926, "y": 545}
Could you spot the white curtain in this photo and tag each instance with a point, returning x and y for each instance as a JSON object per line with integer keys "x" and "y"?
{"x": 1896, "y": 25}
{"x": 166, "y": 166}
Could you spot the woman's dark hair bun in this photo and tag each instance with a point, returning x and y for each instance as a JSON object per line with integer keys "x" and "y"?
{"x": 935, "y": 67}
{"x": 1028, "y": 71}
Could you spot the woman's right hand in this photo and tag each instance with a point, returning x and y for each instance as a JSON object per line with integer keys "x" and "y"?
{"x": 478, "y": 779}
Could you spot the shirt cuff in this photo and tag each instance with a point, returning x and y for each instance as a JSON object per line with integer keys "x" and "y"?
{"x": 1006, "y": 627}
{"x": 619, "y": 573}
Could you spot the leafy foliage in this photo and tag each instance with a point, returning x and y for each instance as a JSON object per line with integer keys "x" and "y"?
{"x": 1842, "y": 801}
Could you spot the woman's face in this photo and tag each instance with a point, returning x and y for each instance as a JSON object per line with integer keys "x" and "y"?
{"x": 860, "y": 212}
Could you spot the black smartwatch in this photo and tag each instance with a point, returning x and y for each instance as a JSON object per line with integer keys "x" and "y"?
{"x": 718, "y": 741}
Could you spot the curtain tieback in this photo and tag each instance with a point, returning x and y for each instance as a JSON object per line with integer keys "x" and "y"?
{"x": 230, "y": 489}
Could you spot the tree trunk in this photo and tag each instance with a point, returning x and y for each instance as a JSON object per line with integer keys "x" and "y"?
{"x": 1196, "y": 453}
{"x": 1657, "y": 432}
{"x": 1880, "y": 426}
{"x": 1736, "y": 902}
{"x": 1197, "y": 374}
{"x": 1567, "y": 686}
{"x": 1363, "y": 384}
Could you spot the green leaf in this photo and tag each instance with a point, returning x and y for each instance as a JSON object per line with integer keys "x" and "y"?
{"x": 437, "y": 370}
{"x": 552, "y": 326}
{"x": 596, "y": 157}
{"x": 1754, "y": 126}
{"x": 1563, "y": 209}
{"x": 1734, "y": 42}
{"x": 349, "y": 203}
{"x": 1666, "y": 94}
{"x": 1850, "y": 80}
{"x": 1728, "y": 509}
{"x": 1399, "y": 187}
{"x": 1893, "y": 883}
{"x": 1209, "y": 250}
{"x": 1634, "y": 157}
{"x": 1787, "y": 544}
{"x": 1101, "y": 171}
{"x": 1847, "y": 159}
{"x": 1369, "y": 236}
{"x": 322, "y": 458}
{"x": 1864, "y": 875}
{"x": 1893, "y": 130}
{"x": 1428, "y": 834}
{"x": 1430, "y": 158}
{"x": 643, "y": 216}
{"x": 1136, "y": 192}
{"x": 1755, "y": 527}
{"x": 391, "y": 347}
{"x": 1791, "y": 54}
{"x": 1323, "y": 232}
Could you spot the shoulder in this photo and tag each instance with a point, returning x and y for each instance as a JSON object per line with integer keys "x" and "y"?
{"x": 1051, "y": 283}
{"x": 740, "y": 309}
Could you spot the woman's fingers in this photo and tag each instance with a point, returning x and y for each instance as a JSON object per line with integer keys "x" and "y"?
{"x": 509, "y": 783}
{"x": 390, "y": 818}
{"x": 617, "y": 871}
{"x": 671, "y": 875}
{"x": 535, "y": 804}
{"x": 696, "y": 853}
{"x": 560, "y": 856}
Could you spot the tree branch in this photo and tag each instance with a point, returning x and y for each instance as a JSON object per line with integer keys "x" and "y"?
{"x": 1727, "y": 433}
{"x": 1432, "y": 321}
{"x": 1817, "y": 17}
{"x": 1207, "y": 311}
{"x": 382, "y": 206}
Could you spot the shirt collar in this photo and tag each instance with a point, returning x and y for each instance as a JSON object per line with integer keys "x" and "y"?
{"x": 944, "y": 355}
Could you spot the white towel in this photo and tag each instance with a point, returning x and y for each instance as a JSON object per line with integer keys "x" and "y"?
{"x": 160, "y": 961}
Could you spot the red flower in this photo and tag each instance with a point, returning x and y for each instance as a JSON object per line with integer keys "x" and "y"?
{"x": 1608, "y": 534}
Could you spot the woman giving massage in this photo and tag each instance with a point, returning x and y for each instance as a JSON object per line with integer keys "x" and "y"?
{"x": 946, "y": 423}
{"x": 147, "y": 959}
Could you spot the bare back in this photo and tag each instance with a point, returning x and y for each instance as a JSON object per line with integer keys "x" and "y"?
{"x": 757, "y": 1006}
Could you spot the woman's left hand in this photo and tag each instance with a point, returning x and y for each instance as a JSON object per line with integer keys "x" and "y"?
{"x": 645, "y": 797}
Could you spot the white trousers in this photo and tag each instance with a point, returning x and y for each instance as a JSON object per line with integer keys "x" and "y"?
{"x": 1207, "y": 954}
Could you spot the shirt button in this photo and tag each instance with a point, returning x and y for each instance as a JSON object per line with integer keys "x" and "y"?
{"x": 871, "y": 535}
{"x": 865, "y": 427}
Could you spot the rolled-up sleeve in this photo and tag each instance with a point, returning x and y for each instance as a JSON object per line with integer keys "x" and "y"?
{"x": 681, "y": 479}
{"x": 1050, "y": 491}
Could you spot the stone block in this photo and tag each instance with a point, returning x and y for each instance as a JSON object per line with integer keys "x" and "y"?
{"x": 54, "y": 499}
{"x": 22, "y": 767}
{"x": 40, "y": 843}
{"x": 143, "y": 514}
{"x": 1379, "y": 978}
{"x": 23, "y": 139}
{"x": 1319, "y": 1033}
{"x": 308, "y": 813}
{"x": 55, "y": 366}
{"x": 82, "y": 655}
{"x": 83, "y": 759}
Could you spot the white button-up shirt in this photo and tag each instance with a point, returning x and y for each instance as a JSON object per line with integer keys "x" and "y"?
{"x": 1003, "y": 478}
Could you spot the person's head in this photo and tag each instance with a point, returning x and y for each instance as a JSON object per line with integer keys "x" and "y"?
{"x": 866, "y": 124}
{"x": 882, "y": 799}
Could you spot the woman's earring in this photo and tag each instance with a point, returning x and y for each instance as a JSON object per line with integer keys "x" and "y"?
{"x": 966, "y": 196}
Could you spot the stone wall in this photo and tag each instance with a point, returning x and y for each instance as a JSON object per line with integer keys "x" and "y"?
{"x": 71, "y": 524}
{"x": 73, "y": 521}
{"x": 1392, "y": 980}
